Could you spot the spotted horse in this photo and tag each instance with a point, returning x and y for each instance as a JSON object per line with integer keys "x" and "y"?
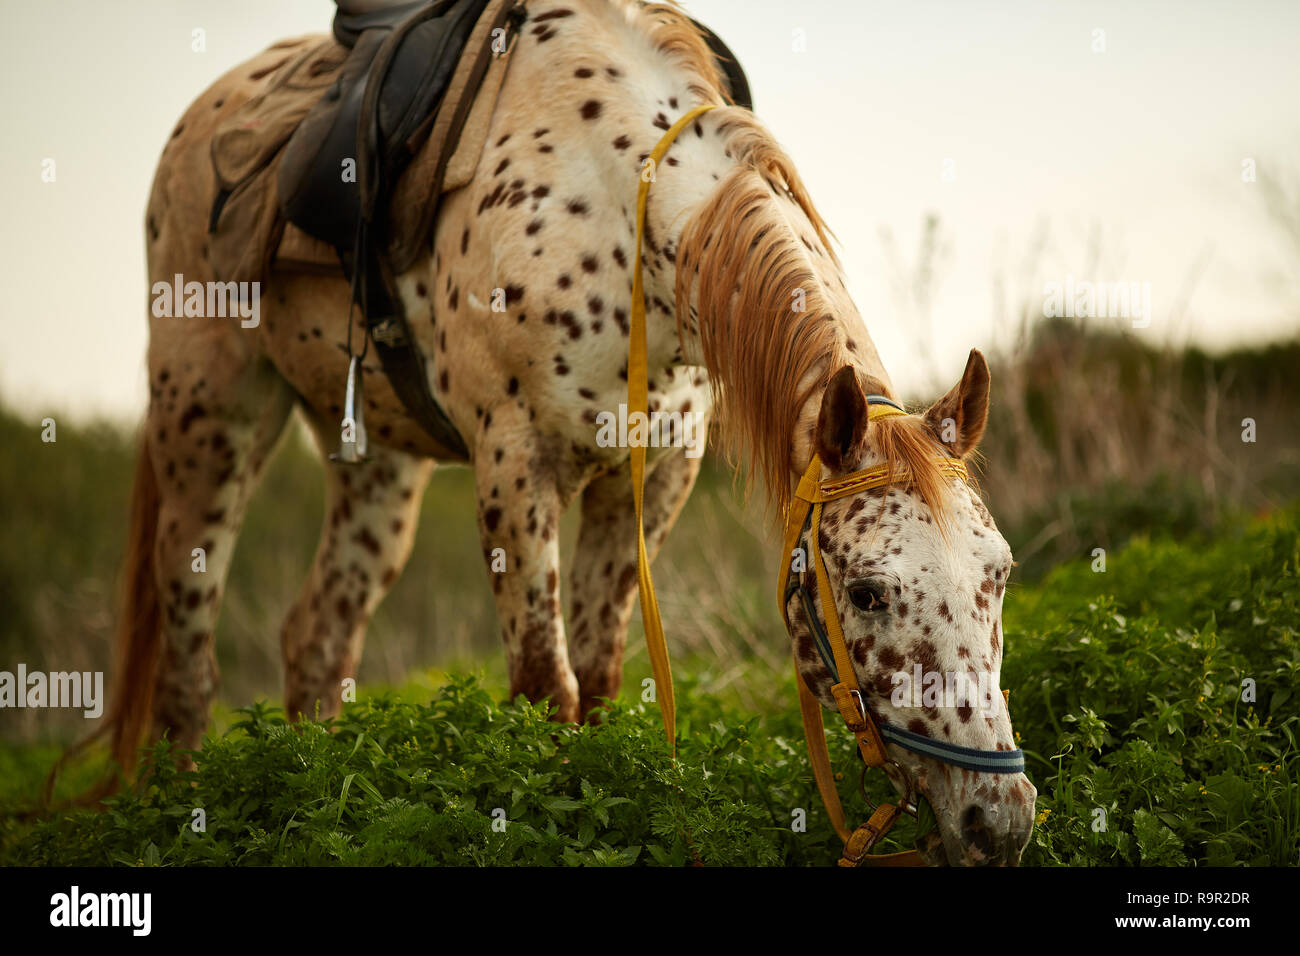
{"x": 522, "y": 308}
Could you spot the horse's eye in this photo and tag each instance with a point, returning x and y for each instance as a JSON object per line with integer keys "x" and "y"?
{"x": 868, "y": 596}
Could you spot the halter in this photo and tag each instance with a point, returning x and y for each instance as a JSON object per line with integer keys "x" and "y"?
{"x": 805, "y": 513}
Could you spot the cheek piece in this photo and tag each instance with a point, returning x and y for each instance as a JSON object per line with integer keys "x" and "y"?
{"x": 805, "y": 516}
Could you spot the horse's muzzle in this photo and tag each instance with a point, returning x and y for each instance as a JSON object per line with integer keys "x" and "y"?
{"x": 982, "y": 834}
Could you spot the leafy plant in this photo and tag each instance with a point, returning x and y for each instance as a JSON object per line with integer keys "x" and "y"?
{"x": 1155, "y": 702}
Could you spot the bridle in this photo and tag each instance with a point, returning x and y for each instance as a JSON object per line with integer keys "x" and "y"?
{"x": 804, "y": 514}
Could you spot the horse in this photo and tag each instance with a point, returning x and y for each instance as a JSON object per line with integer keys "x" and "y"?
{"x": 747, "y": 319}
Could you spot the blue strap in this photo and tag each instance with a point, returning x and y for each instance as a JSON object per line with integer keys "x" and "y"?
{"x": 820, "y": 639}
{"x": 881, "y": 400}
{"x": 968, "y": 758}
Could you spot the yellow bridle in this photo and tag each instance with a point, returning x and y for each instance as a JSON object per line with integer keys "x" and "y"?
{"x": 811, "y": 493}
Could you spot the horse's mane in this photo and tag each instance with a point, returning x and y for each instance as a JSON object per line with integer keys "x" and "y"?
{"x": 747, "y": 265}
{"x": 674, "y": 34}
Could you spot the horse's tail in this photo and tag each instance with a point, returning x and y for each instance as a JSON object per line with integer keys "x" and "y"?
{"x": 138, "y": 642}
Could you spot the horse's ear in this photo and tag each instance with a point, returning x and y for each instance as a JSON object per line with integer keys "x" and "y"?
{"x": 958, "y": 418}
{"x": 842, "y": 422}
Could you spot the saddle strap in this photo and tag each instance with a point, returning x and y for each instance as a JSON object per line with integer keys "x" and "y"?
{"x": 416, "y": 197}
{"x": 385, "y": 318}
{"x": 399, "y": 98}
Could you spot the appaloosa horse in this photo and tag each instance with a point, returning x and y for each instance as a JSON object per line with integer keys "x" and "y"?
{"x": 747, "y": 312}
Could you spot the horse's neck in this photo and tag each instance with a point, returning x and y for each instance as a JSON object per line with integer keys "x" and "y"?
{"x": 699, "y": 167}
{"x": 675, "y": 199}
{"x": 681, "y": 191}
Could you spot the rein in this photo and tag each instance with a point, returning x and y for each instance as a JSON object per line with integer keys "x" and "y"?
{"x": 804, "y": 514}
{"x": 638, "y": 400}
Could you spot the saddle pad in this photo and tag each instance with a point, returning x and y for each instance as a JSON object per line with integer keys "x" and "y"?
{"x": 283, "y": 85}
{"x": 299, "y": 252}
{"x": 464, "y": 161}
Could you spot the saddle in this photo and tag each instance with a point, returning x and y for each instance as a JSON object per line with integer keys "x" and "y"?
{"x": 341, "y": 161}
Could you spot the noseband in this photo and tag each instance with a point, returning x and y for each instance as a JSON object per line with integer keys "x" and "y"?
{"x": 805, "y": 516}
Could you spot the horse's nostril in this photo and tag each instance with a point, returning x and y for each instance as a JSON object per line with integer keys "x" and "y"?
{"x": 975, "y": 834}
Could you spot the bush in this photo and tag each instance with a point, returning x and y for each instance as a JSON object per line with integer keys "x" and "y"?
{"x": 1128, "y": 690}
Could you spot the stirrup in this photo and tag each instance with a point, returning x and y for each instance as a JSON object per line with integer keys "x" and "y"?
{"x": 352, "y": 437}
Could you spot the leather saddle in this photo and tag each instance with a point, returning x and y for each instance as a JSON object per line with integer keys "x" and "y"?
{"x": 341, "y": 166}
{"x": 352, "y": 18}
{"x": 402, "y": 79}
{"x": 378, "y": 113}
{"x": 355, "y": 143}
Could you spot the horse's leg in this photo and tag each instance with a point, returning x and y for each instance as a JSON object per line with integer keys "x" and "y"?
{"x": 604, "y": 567}
{"x": 519, "y": 508}
{"x": 213, "y": 420}
{"x": 371, "y": 510}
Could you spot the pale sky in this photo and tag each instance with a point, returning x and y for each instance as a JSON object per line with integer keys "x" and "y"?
{"x": 1137, "y": 149}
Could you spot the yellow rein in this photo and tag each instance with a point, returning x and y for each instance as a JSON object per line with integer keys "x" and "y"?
{"x": 811, "y": 493}
{"x": 638, "y": 400}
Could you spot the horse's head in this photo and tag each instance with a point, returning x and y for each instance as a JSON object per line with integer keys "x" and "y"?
{"x": 917, "y": 570}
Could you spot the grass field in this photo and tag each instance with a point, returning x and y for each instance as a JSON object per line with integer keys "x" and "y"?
{"x": 1127, "y": 694}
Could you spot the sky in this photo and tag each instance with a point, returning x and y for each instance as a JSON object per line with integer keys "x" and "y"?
{"x": 1054, "y": 142}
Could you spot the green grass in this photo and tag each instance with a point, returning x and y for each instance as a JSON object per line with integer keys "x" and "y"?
{"x": 1163, "y": 692}
{"x": 1126, "y": 693}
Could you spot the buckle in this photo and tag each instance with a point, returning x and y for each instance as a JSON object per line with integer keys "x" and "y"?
{"x": 848, "y": 701}
{"x": 388, "y": 332}
{"x": 862, "y": 840}
{"x": 862, "y": 706}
